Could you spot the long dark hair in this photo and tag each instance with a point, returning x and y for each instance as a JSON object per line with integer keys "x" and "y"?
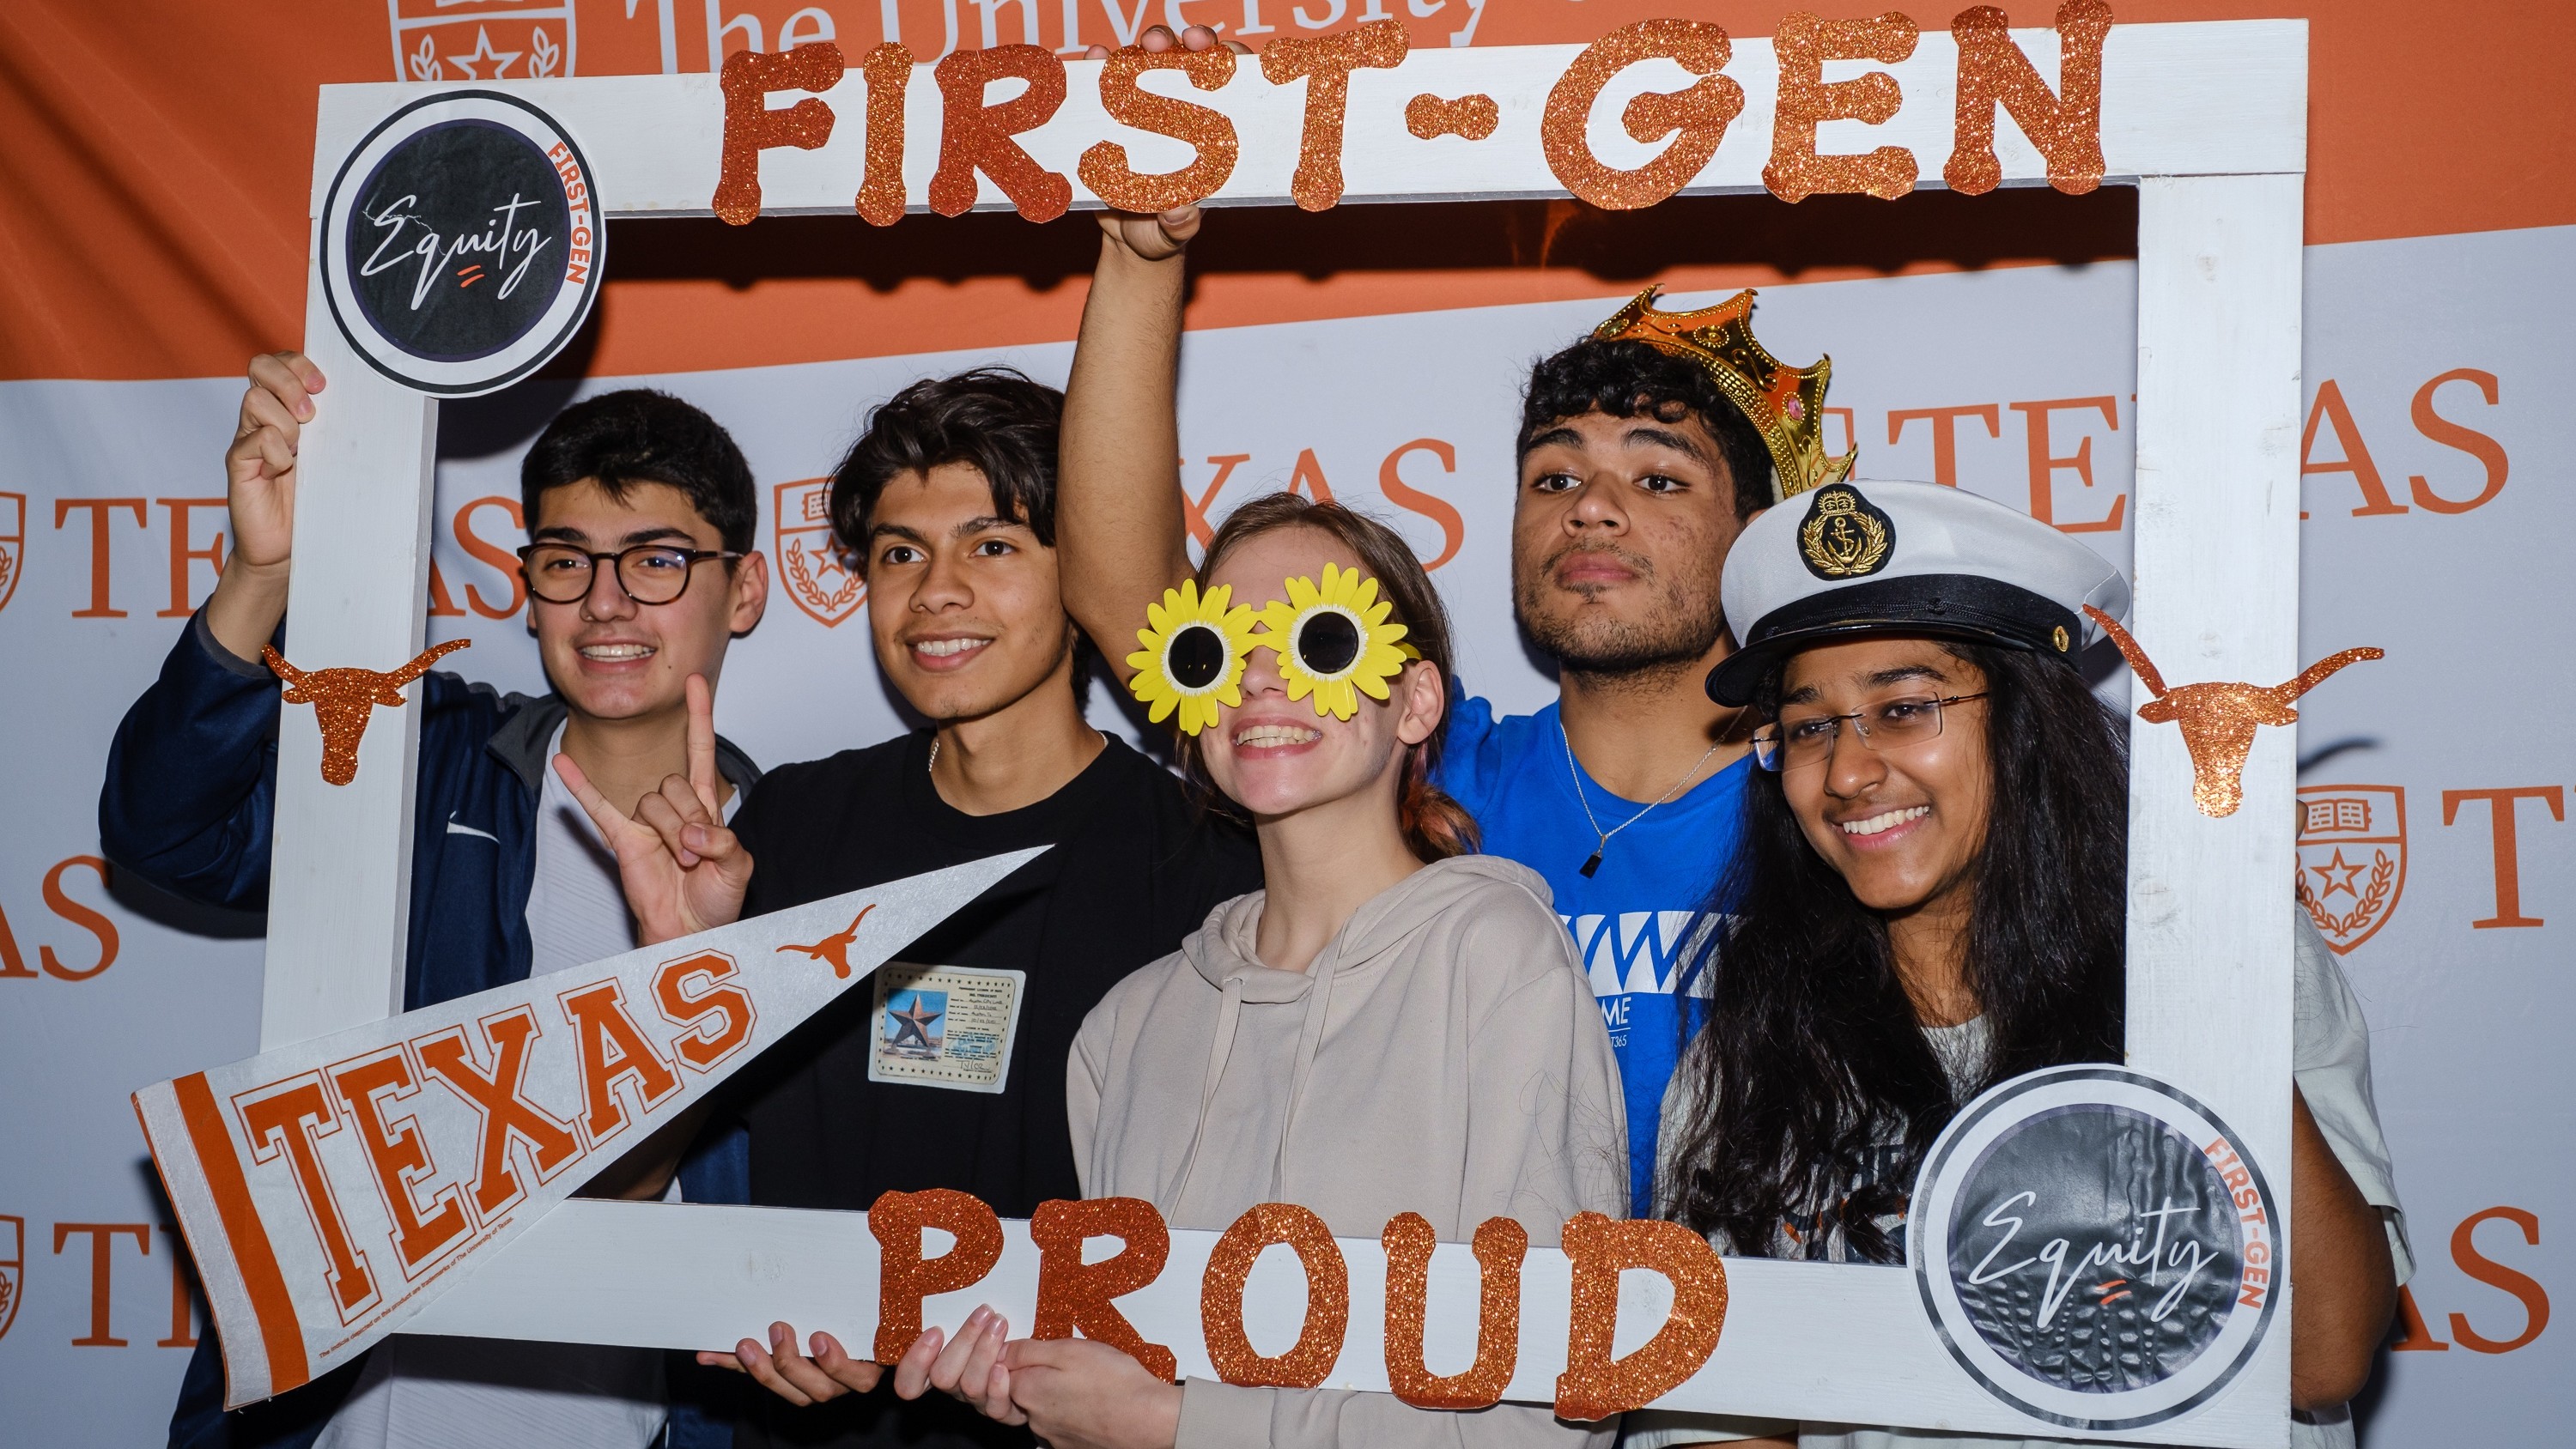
{"x": 1813, "y": 1064}
{"x": 1434, "y": 825}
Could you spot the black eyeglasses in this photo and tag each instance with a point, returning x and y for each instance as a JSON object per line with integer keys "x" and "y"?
{"x": 650, "y": 573}
{"x": 1795, "y": 743}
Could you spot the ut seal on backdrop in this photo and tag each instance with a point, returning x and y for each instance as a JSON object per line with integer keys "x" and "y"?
{"x": 462, "y": 242}
{"x": 819, "y": 578}
{"x": 2094, "y": 1247}
{"x": 13, "y": 1264}
{"x": 2352, "y": 859}
{"x": 13, "y": 543}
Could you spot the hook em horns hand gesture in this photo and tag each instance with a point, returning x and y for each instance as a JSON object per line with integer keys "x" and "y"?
{"x": 684, "y": 871}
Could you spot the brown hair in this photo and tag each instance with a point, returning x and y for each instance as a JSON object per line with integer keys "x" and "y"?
{"x": 1434, "y": 825}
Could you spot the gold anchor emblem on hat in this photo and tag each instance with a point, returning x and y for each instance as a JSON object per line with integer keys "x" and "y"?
{"x": 1844, "y": 537}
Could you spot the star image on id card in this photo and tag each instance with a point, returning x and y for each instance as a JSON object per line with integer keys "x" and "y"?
{"x": 945, "y": 1026}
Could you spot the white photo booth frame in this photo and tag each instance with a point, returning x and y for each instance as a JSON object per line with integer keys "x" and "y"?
{"x": 2207, "y": 120}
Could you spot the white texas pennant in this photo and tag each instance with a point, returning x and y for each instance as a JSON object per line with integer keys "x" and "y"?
{"x": 332, "y": 1189}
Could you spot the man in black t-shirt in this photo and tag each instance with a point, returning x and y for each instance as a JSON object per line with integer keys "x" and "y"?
{"x": 947, "y": 1070}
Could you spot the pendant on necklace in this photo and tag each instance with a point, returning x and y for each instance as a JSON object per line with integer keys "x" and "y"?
{"x": 1594, "y": 863}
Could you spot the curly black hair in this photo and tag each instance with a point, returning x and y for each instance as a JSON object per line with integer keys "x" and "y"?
{"x": 1625, "y": 379}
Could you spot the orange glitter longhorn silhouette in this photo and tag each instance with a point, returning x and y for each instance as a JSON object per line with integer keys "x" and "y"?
{"x": 2219, "y": 719}
{"x": 344, "y": 699}
{"x": 835, "y": 948}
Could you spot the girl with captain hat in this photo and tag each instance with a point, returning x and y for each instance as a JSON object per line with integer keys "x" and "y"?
{"x": 1929, "y": 900}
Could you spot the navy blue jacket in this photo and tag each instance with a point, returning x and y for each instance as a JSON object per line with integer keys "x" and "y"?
{"x": 190, "y": 804}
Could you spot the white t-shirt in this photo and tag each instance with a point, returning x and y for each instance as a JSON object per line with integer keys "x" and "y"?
{"x": 470, "y": 1393}
{"x": 2330, "y": 1061}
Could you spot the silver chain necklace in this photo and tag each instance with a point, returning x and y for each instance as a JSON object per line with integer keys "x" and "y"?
{"x": 1602, "y": 845}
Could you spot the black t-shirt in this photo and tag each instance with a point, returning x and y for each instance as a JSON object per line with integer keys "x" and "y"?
{"x": 1136, "y": 866}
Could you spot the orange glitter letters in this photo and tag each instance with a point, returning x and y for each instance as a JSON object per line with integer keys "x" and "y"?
{"x": 1326, "y": 61}
{"x": 1804, "y": 43}
{"x": 1594, "y": 1386}
{"x": 1700, "y": 114}
{"x": 1501, "y": 1244}
{"x": 1328, "y": 1299}
{"x": 904, "y": 1279}
{"x": 751, "y": 127}
{"x": 976, "y": 137}
{"x": 1429, "y": 117}
{"x": 1075, "y": 1295}
{"x": 2066, "y": 126}
{"x": 1104, "y": 166}
{"x": 888, "y": 69}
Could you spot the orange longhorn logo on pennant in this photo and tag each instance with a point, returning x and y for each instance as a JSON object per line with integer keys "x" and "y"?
{"x": 2352, "y": 859}
{"x": 835, "y": 948}
{"x": 2219, "y": 719}
{"x": 817, "y": 577}
{"x": 345, "y": 699}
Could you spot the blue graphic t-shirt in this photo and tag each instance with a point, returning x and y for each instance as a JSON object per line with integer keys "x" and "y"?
{"x": 1641, "y": 921}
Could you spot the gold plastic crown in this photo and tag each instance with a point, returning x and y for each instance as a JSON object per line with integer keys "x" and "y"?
{"x": 1785, "y": 404}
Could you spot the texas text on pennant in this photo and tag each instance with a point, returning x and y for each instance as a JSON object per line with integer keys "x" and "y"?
{"x": 331, "y": 1189}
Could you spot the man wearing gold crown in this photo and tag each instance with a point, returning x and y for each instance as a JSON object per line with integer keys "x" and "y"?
{"x": 1644, "y": 448}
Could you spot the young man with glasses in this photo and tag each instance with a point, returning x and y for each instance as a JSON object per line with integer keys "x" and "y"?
{"x": 642, "y": 514}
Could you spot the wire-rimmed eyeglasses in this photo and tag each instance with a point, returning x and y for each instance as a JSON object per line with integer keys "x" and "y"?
{"x": 1796, "y": 741}
{"x": 650, "y": 573}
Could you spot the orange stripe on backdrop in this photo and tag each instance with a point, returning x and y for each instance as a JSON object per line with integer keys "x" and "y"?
{"x": 153, "y": 182}
{"x": 270, "y": 1304}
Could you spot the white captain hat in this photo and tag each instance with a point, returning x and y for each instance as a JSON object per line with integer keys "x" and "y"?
{"x": 1850, "y": 559}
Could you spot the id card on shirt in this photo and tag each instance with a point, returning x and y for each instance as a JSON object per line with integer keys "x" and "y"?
{"x": 944, "y": 1026}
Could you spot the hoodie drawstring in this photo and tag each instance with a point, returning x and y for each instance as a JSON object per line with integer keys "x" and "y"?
{"x": 1310, "y": 1041}
{"x": 1229, "y": 1013}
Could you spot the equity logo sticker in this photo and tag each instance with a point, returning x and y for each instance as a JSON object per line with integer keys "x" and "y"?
{"x": 818, "y": 578}
{"x": 2352, "y": 859}
{"x": 461, "y": 243}
{"x": 13, "y": 546}
{"x": 2094, "y": 1247}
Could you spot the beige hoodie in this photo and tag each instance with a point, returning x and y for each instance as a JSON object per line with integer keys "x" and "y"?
{"x": 1443, "y": 1056}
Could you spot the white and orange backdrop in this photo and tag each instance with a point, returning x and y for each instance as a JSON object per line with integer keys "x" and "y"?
{"x": 154, "y": 165}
